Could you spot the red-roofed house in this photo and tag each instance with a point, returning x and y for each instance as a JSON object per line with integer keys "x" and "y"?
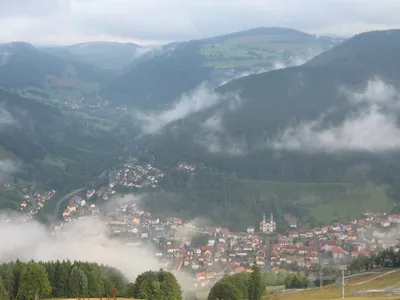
{"x": 394, "y": 219}
{"x": 337, "y": 252}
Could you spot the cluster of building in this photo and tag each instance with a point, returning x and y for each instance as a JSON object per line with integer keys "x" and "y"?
{"x": 220, "y": 251}
{"x": 33, "y": 200}
{"x": 134, "y": 175}
{"x": 208, "y": 253}
{"x": 186, "y": 167}
{"x": 129, "y": 175}
{"x": 337, "y": 242}
{"x": 78, "y": 207}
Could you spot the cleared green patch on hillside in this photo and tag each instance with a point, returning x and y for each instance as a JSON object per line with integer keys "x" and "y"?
{"x": 326, "y": 202}
{"x": 260, "y": 50}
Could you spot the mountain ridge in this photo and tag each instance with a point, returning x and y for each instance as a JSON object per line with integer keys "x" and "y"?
{"x": 240, "y": 51}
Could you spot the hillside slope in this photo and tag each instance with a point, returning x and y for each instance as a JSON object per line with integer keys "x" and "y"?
{"x": 159, "y": 80}
{"x": 43, "y": 75}
{"x": 325, "y": 122}
{"x": 53, "y": 149}
{"x": 274, "y": 101}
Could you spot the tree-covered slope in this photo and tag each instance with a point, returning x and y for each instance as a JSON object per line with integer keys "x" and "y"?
{"x": 55, "y": 150}
{"x": 333, "y": 120}
{"x": 158, "y": 79}
{"x": 274, "y": 101}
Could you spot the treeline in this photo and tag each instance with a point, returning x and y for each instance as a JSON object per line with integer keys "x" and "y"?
{"x": 59, "y": 279}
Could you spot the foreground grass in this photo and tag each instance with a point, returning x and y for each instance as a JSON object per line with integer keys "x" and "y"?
{"x": 326, "y": 202}
{"x": 333, "y": 291}
{"x": 272, "y": 289}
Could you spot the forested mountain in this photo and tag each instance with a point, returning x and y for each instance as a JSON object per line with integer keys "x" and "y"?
{"x": 244, "y": 138}
{"x": 324, "y": 129}
{"x": 60, "y": 279}
{"x": 104, "y": 55}
{"x": 158, "y": 79}
{"x": 57, "y": 150}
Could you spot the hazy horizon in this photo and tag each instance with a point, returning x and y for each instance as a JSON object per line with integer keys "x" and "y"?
{"x": 65, "y": 22}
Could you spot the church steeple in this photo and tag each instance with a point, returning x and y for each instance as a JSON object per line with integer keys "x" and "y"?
{"x": 271, "y": 218}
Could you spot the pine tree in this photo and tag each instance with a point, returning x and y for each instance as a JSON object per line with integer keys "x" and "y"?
{"x": 93, "y": 284}
{"x": 34, "y": 282}
{"x": 256, "y": 284}
{"x": 3, "y": 292}
{"x": 77, "y": 283}
{"x": 60, "y": 280}
{"x": 17, "y": 269}
{"x": 9, "y": 279}
{"x": 51, "y": 269}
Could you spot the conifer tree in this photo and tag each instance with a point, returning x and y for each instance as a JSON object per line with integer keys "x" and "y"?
{"x": 3, "y": 292}
{"x": 34, "y": 282}
{"x": 77, "y": 282}
{"x": 256, "y": 284}
{"x": 8, "y": 279}
{"x": 93, "y": 284}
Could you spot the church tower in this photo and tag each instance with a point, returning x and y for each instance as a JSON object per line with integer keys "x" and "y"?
{"x": 263, "y": 223}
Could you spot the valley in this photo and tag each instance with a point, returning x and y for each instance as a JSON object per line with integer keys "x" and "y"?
{"x": 267, "y": 150}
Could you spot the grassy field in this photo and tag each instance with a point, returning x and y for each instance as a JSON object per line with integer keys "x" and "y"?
{"x": 272, "y": 289}
{"x": 326, "y": 201}
{"x": 333, "y": 291}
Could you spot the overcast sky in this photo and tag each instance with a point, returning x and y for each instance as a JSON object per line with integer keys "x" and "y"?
{"x": 158, "y": 21}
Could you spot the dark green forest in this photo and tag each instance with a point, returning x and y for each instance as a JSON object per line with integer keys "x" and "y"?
{"x": 57, "y": 150}
{"x": 60, "y": 279}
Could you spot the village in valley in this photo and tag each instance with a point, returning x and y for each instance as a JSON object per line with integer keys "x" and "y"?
{"x": 206, "y": 253}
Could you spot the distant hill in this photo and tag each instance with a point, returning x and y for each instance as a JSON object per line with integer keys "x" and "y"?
{"x": 43, "y": 75}
{"x": 160, "y": 78}
{"x": 103, "y": 55}
{"x": 274, "y": 100}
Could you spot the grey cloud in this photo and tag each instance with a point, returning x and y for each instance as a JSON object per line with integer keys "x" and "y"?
{"x": 195, "y": 101}
{"x": 373, "y": 128}
{"x": 31, "y": 7}
{"x": 218, "y": 143}
{"x": 6, "y": 117}
{"x": 216, "y": 139}
{"x": 180, "y": 20}
{"x": 30, "y": 240}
